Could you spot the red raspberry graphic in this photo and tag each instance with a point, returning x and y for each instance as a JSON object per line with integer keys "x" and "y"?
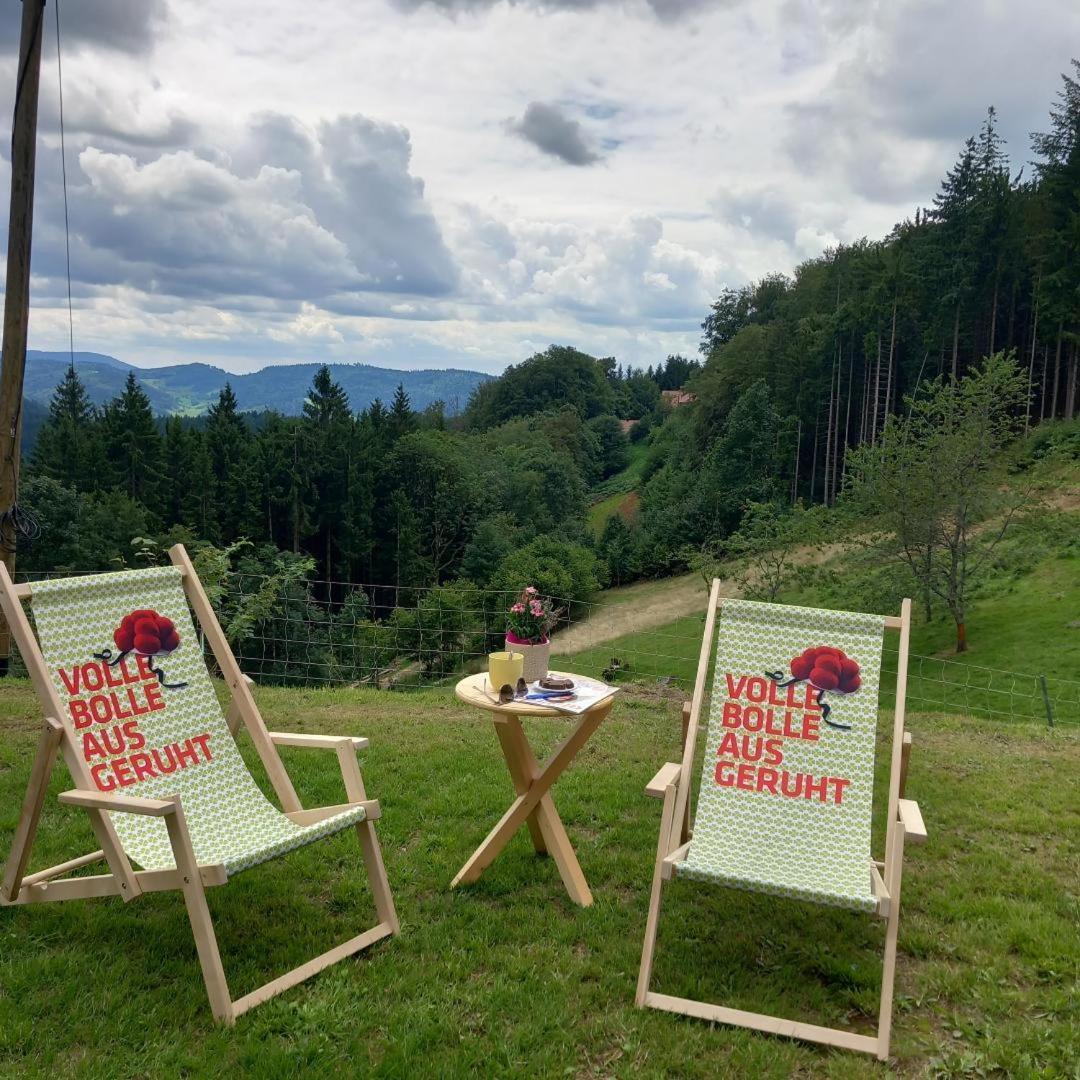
{"x": 827, "y": 668}
{"x": 146, "y": 632}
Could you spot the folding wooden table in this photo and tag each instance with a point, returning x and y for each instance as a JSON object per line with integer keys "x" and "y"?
{"x": 533, "y": 805}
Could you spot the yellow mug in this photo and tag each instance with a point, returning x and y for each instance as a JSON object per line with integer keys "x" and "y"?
{"x": 505, "y": 668}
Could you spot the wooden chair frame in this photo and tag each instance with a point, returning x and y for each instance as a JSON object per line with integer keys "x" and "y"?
{"x": 672, "y": 784}
{"x": 190, "y": 878}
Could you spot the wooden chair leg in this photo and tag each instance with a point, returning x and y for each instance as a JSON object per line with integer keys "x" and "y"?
{"x": 684, "y": 832}
{"x": 652, "y": 923}
{"x": 376, "y": 872}
{"x": 888, "y": 969}
{"x": 51, "y": 736}
{"x": 369, "y": 842}
{"x": 202, "y": 925}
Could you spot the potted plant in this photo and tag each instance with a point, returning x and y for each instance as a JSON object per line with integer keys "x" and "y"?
{"x": 527, "y": 624}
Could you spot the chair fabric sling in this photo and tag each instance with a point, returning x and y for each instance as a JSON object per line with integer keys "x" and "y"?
{"x": 779, "y": 813}
{"x": 179, "y": 743}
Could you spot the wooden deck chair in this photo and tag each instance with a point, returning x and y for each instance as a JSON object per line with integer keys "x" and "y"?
{"x": 129, "y": 702}
{"x": 785, "y": 799}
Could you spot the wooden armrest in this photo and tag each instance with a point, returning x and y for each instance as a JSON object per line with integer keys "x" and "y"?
{"x": 316, "y": 742}
{"x": 911, "y": 816}
{"x": 128, "y": 804}
{"x": 668, "y": 775}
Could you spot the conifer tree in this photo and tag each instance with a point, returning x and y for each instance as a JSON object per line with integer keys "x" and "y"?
{"x": 329, "y": 428}
{"x": 402, "y": 418}
{"x": 189, "y": 492}
{"x": 228, "y": 443}
{"x": 954, "y": 210}
{"x": 1058, "y": 171}
{"x": 68, "y": 447}
{"x": 133, "y": 446}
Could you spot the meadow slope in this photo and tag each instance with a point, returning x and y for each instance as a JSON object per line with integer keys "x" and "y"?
{"x": 506, "y": 977}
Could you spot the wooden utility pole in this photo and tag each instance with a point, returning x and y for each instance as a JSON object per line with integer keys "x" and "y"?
{"x": 17, "y": 297}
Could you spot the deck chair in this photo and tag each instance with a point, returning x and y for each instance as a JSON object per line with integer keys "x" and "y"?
{"x": 786, "y": 792}
{"x": 128, "y": 700}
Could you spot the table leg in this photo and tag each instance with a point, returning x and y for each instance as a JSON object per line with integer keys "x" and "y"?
{"x": 522, "y": 766}
{"x": 557, "y": 842}
{"x": 528, "y": 801}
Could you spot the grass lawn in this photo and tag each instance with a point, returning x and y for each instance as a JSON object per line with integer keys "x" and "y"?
{"x": 507, "y": 977}
{"x": 607, "y": 507}
{"x": 671, "y": 649}
{"x": 609, "y": 496}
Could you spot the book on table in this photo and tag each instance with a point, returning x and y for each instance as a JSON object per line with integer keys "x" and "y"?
{"x": 584, "y": 695}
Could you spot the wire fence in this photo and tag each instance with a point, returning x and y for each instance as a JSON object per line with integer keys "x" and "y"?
{"x": 293, "y": 631}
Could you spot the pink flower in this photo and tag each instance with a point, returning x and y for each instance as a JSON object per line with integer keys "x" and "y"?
{"x": 530, "y": 589}
{"x": 517, "y": 609}
{"x": 536, "y": 608}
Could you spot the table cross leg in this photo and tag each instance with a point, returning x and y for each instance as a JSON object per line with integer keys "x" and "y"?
{"x": 544, "y": 822}
{"x": 528, "y": 804}
{"x": 522, "y": 765}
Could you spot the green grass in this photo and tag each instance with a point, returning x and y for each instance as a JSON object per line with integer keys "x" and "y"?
{"x": 600, "y": 512}
{"x": 608, "y": 496}
{"x": 671, "y": 649}
{"x": 646, "y": 590}
{"x": 1022, "y": 620}
{"x": 506, "y": 977}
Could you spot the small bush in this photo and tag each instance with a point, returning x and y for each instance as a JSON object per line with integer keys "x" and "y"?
{"x": 564, "y": 571}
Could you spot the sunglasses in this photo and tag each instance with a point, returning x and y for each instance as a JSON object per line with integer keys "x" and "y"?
{"x": 507, "y": 693}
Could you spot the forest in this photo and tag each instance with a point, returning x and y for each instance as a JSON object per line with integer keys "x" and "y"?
{"x": 796, "y": 374}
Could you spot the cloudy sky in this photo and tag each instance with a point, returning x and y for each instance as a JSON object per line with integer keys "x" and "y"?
{"x": 434, "y": 183}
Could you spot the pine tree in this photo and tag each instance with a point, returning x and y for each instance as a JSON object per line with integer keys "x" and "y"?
{"x": 330, "y": 438}
{"x": 236, "y": 488}
{"x": 1058, "y": 171}
{"x": 189, "y": 494}
{"x": 282, "y": 471}
{"x": 995, "y": 224}
{"x": 376, "y": 414}
{"x": 402, "y": 417}
{"x": 954, "y": 210}
{"x": 133, "y": 446}
{"x": 68, "y": 446}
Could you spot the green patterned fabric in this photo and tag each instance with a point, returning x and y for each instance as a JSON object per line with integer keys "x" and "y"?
{"x": 787, "y": 785}
{"x": 128, "y": 666}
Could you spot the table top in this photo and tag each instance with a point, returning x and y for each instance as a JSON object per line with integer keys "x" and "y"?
{"x": 475, "y": 690}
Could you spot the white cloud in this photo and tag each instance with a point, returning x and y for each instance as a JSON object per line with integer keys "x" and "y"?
{"x": 184, "y": 226}
{"x": 288, "y": 187}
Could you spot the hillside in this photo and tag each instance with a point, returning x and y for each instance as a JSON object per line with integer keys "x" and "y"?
{"x": 618, "y": 494}
{"x": 187, "y": 389}
{"x": 1023, "y": 619}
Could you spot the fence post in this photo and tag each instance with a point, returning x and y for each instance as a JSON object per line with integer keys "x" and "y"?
{"x": 1046, "y": 701}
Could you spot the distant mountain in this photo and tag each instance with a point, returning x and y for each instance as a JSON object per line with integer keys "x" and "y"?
{"x": 188, "y": 389}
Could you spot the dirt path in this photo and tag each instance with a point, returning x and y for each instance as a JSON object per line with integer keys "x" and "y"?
{"x": 632, "y": 609}
{"x": 677, "y": 597}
